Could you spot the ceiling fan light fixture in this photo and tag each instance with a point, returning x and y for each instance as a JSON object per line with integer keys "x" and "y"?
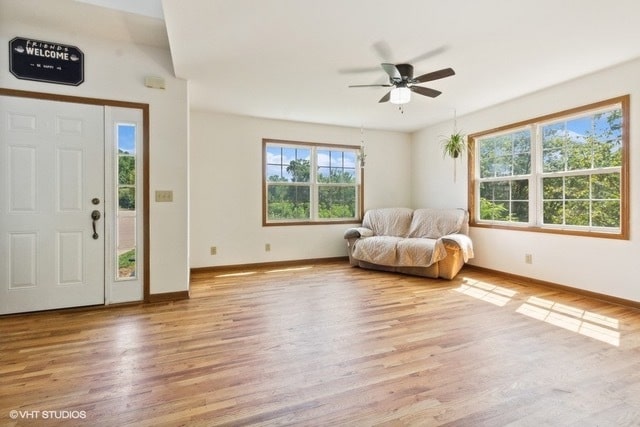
{"x": 400, "y": 95}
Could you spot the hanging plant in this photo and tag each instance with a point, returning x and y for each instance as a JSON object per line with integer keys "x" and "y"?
{"x": 454, "y": 145}
{"x": 362, "y": 156}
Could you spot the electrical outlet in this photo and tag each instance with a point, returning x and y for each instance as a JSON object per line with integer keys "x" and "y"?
{"x": 213, "y": 250}
{"x": 164, "y": 196}
{"x": 528, "y": 258}
{"x": 267, "y": 247}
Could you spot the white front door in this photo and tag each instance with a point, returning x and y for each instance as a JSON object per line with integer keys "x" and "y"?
{"x": 51, "y": 182}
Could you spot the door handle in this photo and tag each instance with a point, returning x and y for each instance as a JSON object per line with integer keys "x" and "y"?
{"x": 95, "y": 215}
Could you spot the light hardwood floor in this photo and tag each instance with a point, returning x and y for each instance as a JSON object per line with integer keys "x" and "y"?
{"x": 325, "y": 345}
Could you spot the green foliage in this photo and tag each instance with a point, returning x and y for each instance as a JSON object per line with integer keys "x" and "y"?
{"x": 337, "y": 175}
{"x": 292, "y": 200}
{"x": 575, "y": 190}
{"x": 127, "y": 198}
{"x": 493, "y": 211}
{"x": 127, "y": 263}
{"x": 126, "y": 181}
{"x": 126, "y": 170}
{"x": 300, "y": 170}
{"x": 336, "y": 202}
{"x": 454, "y": 145}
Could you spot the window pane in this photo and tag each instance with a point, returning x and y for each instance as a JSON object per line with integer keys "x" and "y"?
{"x": 276, "y": 173}
{"x": 126, "y": 229}
{"x": 607, "y": 139}
{"x": 586, "y": 142}
{"x": 336, "y": 202}
{"x": 552, "y": 188}
{"x": 522, "y": 164}
{"x": 287, "y": 164}
{"x": 606, "y": 214}
{"x": 576, "y": 187}
{"x": 299, "y": 170}
{"x": 126, "y": 138}
{"x": 126, "y": 170}
{"x": 577, "y": 213}
{"x": 553, "y": 160}
{"x": 520, "y": 211}
{"x": 336, "y": 166}
{"x": 127, "y": 264}
{"x": 501, "y": 190}
{"x": 343, "y": 175}
{"x": 288, "y": 202}
{"x": 553, "y": 212}
{"x": 553, "y": 147}
{"x": 606, "y": 186}
{"x": 505, "y": 155}
{"x": 127, "y": 198}
{"x": 520, "y": 189}
{"x": 579, "y": 154}
{"x": 494, "y": 211}
{"x": 494, "y": 202}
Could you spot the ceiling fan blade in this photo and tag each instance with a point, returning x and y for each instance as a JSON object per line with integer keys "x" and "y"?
{"x": 383, "y": 50}
{"x": 429, "y": 54}
{"x": 392, "y": 70}
{"x": 425, "y": 91}
{"x": 386, "y": 97}
{"x": 370, "y": 85}
{"x": 435, "y": 75}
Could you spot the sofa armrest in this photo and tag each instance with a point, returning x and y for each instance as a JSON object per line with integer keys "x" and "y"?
{"x": 357, "y": 232}
{"x": 352, "y": 235}
{"x": 462, "y": 241}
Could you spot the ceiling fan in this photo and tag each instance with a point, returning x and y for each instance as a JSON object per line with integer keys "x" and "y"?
{"x": 403, "y": 83}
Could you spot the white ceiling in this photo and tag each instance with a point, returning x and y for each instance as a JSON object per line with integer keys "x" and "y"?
{"x": 293, "y": 59}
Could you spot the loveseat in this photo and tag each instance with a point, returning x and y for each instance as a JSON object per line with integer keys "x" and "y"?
{"x": 426, "y": 242}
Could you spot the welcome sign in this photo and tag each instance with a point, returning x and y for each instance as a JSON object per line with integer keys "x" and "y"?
{"x": 44, "y": 61}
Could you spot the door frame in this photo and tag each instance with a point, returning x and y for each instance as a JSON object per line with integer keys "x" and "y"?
{"x": 145, "y": 159}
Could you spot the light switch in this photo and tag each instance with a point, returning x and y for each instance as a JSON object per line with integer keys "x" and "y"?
{"x": 164, "y": 196}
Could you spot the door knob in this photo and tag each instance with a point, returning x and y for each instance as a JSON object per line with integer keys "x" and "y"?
{"x": 95, "y": 216}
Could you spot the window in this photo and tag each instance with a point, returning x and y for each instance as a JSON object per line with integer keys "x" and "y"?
{"x": 562, "y": 173}
{"x": 310, "y": 183}
{"x": 126, "y": 191}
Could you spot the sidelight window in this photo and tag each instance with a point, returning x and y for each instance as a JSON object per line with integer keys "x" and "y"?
{"x": 126, "y": 226}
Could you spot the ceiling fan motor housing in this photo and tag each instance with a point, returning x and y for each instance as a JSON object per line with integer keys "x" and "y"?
{"x": 406, "y": 71}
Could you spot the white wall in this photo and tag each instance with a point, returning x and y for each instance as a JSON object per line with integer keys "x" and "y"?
{"x": 605, "y": 266}
{"x": 226, "y": 188}
{"x": 115, "y": 71}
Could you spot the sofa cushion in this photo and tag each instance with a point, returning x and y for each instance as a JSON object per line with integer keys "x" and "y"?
{"x": 388, "y": 221}
{"x": 419, "y": 252}
{"x": 435, "y": 223}
{"x": 377, "y": 249}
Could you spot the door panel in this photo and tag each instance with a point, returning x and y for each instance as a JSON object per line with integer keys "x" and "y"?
{"x": 51, "y": 167}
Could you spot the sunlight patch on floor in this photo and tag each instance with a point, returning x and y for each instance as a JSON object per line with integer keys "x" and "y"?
{"x": 593, "y": 325}
{"x": 238, "y": 274}
{"x": 281, "y": 270}
{"x": 488, "y": 292}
